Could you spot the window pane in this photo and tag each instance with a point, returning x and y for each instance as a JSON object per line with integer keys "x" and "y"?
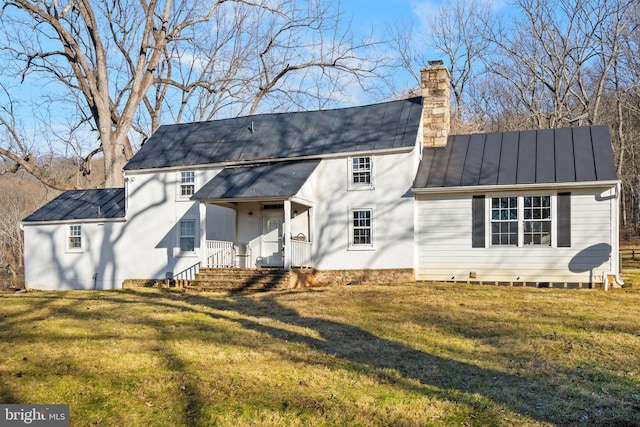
{"x": 361, "y": 237}
{"x": 187, "y": 177}
{"x": 361, "y": 163}
{"x": 504, "y": 208}
{"x": 537, "y": 232}
{"x": 537, "y": 207}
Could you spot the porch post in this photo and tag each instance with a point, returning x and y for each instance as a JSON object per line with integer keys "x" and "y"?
{"x": 203, "y": 234}
{"x": 287, "y": 234}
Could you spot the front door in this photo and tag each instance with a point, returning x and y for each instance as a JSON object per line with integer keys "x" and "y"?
{"x": 272, "y": 225}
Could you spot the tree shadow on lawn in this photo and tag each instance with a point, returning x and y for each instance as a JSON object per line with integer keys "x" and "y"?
{"x": 566, "y": 399}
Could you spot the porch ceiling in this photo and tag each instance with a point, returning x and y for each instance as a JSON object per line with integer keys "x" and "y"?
{"x": 263, "y": 181}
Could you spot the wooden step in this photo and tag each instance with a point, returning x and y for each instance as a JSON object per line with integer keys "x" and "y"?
{"x": 239, "y": 280}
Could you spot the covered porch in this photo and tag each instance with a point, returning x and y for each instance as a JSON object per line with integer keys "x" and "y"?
{"x": 273, "y": 219}
{"x": 267, "y": 235}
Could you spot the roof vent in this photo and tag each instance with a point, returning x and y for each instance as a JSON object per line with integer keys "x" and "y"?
{"x": 436, "y": 62}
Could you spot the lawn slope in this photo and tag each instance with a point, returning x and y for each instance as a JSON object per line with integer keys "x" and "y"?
{"x": 398, "y": 355}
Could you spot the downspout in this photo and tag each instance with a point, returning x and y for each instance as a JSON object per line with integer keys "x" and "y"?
{"x": 613, "y": 277}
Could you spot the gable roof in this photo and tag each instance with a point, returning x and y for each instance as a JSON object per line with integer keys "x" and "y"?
{"x": 565, "y": 155}
{"x": 308, "y": 134}
{"x": 278, "y": 180}
{"x": 102, "y": 203}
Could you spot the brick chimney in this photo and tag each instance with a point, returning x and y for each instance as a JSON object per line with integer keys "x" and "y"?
{"x": 435, "y": 83}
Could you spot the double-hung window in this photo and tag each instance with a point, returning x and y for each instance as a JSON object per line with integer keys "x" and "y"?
{"x": 536, "y": 221}
{"x": 187, "y": 184}
{"x": 74, "y": 240}
{"x": 187, "y": 235}
{"x": 504, "y": 221}
{"x": 361, "y": 172}
{"x": 361, "y": 229}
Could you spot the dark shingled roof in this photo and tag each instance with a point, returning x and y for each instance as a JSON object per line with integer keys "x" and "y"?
{"x": 282, "y": 136}
{"x": 566, "y": 155}
{"x": 103, "y": 203}
{"x": 278, "y": 180}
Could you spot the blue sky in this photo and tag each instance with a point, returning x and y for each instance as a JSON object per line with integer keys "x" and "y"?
{"x": 368, "y": 16}
{"x": 376, "y": 15}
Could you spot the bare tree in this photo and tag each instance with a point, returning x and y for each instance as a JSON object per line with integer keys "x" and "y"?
{"x": 19, "y": 195}
{"x": 457, "y": 32}
{"x": 557, "y": 57}
{"x": 123, "y": 63}
{"x": 455, "y": 35}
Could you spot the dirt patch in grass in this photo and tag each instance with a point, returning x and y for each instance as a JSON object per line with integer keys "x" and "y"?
{"x": 410, "y": 354}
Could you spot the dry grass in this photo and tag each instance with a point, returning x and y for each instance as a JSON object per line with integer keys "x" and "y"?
{"x": 403, "y": 355}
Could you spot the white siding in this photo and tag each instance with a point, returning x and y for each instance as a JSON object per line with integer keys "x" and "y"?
{"x": 392, "y": 204}
{"x": 444, "y": 252}
{"x": 145, "y": 246}
{"x": 50, "y": 266}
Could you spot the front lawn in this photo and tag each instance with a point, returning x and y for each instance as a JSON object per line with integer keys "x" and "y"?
{"x": 403, "y": 355}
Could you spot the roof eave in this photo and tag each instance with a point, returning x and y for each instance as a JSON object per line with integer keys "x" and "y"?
{"x": 223, "y": 165}
{"x": 515, "y": 187}
{"x": 230, "y": 201}
{"x": 74, "y": 221}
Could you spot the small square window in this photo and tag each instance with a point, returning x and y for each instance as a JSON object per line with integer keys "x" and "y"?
{"x": 75, "y": 237}
{"x": 187, "y": 183}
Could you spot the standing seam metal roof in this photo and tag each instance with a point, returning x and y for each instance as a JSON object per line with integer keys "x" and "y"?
{"x": 564, "y": 155}
{"x": 282, "y": 136}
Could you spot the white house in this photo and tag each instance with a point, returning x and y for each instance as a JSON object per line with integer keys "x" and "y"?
{"x": 372, "y": 190}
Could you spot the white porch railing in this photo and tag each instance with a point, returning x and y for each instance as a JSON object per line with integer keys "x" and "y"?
{"x": 300, "y": 253}
{"x": 222, "y": 254}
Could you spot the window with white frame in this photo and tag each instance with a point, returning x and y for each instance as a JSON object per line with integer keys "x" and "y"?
{"x": 187, "y": 184}
{"x": 361, "y": 169}
{"x": 74, "y": 242}
{"x": 537, "y": 220}
{"x": 187, "y": 235}
{"x": 504, "y": 221}
{"x": 521, "y": 220}
{"x": 361, "y": 228}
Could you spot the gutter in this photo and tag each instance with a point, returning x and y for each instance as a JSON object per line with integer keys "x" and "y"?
{"x": 515, "y": 187}
{"x": 72, "y": 221}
